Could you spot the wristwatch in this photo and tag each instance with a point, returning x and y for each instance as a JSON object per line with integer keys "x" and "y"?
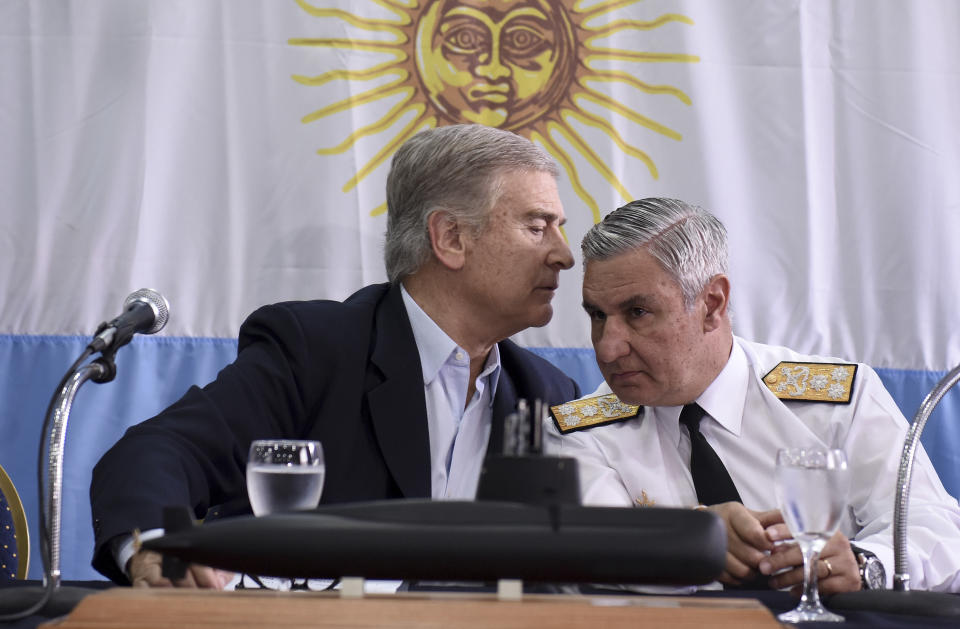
{"x": 873, "y": 576}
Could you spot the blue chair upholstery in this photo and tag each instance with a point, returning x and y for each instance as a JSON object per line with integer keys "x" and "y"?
{"x": 14, "y": 535}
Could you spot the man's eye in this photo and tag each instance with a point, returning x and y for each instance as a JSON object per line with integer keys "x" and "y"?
{"x": 596, "y": 315}
{"x": 637, "y": 312}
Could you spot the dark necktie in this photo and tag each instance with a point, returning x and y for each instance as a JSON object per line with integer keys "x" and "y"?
{"x": 710, "y": 477}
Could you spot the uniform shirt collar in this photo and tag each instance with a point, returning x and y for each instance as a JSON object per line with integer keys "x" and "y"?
{"x": 725, "y": 398}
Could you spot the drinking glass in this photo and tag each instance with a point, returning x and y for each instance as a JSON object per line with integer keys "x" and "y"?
{"x": 812, "y": 485}
{"x": 284, "y": 475}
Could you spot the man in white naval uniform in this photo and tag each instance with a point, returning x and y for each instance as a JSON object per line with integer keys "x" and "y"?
{"x": 657, "y": 293}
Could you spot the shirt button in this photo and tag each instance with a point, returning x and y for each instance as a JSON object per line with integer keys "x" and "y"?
{"x": 459, "y": 356}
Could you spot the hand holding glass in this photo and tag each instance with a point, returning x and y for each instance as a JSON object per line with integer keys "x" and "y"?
{"x": 284, "y": 475}
{"x": 812, "y": 485}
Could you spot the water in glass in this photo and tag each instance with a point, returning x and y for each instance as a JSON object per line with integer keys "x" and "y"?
{"x": 812, "y": 485}
{"x": 284, "y": 475}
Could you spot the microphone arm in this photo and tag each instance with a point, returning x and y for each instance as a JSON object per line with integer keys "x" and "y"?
{"x": 58, "y": 432}
{"x": 901, "y": 576}
{"x": 901, "y": 599}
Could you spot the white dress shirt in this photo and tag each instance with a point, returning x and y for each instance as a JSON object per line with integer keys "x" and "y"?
{"x": 459, "y": 431}
{"x": 646, "y": 460}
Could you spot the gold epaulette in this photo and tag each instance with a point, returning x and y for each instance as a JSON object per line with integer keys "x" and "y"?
{"x": 812, "y": 382}
{"x": 591, "y": 412}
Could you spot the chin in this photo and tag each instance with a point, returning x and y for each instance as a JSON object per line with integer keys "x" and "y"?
{"x": 629, "y": 394}
{"x": 541, "y": 317}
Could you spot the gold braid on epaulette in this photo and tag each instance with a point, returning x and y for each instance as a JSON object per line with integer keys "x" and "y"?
{"x": 591, "y": 412}
{"x": 812, "y": 382}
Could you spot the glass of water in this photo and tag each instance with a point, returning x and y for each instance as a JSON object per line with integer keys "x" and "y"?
{"x": 812, "y": 485}
{"x": 284, "y": 475}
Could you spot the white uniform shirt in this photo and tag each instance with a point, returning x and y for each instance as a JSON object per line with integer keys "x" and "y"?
{"x": 458, "y": 435}
{"x": 646, "y": 460}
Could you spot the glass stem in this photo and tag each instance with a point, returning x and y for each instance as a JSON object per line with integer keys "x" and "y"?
{"x": 811, "y": 595}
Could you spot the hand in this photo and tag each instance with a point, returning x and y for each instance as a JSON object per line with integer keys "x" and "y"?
{"x": 747, "y": 540}
{"x": 144, "y": 570}
{"x": 843, "y": 574}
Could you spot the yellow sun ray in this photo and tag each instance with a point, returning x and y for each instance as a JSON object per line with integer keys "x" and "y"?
{"x": 591, "y": 156}
{"x": 599, "y": 123}
{"x": 359, "y": 22}
{"x": 383, "y": 91}
{"x": 394, "y": 4}
{"x": 605, "y": 101}
{"x": 561, "y": 156}
{"x": 389, "y": 148}
{"x": 384, "y": 69}
{"x": 643, "y": 57}
{"x": 434, "y": 77}
{"x": 611, "y": 76}
{"x": 398, "y": 111}
{"x": 367, "y": 45}
{"x": 398, "y": 9}
{"x": 623, "y": 25}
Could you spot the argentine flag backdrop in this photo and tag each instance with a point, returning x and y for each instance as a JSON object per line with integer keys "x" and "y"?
{"x": 234, "y": 153}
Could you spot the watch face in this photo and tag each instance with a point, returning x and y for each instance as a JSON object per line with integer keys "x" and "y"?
{"x": 874, "y": 576}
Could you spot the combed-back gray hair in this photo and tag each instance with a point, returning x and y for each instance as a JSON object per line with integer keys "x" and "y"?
{"x": 689, "y": 242}
{"x": 456, "y": 169}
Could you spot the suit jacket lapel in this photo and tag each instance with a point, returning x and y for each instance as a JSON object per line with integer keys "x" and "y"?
{"x": 504, "y": 403}
{"x": 395, "y": 397}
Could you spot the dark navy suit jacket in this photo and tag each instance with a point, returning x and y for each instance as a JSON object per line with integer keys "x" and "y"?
{"x": 345, "y": 373}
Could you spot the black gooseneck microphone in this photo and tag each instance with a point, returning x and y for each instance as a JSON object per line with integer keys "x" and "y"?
{"x": 144, "y": 311}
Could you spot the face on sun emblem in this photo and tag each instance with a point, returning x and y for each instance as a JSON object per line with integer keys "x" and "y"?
{"x": 501, "y": 63}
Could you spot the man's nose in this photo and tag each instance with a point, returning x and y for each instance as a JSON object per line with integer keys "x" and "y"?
{"x": 560, "y": 255}
{"x": 610, "y": 342}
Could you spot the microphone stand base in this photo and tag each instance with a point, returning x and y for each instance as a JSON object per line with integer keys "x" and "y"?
{"x": 912, "y": 602}
{"x": 14, "y": 598}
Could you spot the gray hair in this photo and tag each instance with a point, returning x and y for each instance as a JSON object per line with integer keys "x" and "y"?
{"x": 456, "y": 169}
{"x": 689, "y": 242}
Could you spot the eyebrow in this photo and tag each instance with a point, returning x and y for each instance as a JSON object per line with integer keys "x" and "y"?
{"x": 545, "y": 215}
{"x": 626, "y": 304}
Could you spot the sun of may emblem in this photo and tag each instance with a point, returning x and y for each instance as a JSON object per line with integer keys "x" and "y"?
{"x": 535, "y": 67}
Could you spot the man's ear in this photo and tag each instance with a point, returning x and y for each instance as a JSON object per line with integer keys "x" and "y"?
{"x": 446, "y": 240}
{"x": 716, "y": 298}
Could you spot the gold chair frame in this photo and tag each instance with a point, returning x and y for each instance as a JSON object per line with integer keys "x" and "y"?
{"x": 19, "y": 523}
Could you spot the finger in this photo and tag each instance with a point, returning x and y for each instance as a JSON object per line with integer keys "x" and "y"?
{"x": 205, "y": 577}
{"x": 225, "y": 577}
{"x": 778, "y": 533}
{"x": 749, "y": 530}
{"x": 793, "y": 578}
{"x": 787, "y": 579}
{"x": 737, "y": 571}
{"x": 790, "y": 578}
{"x": 769, "y": 518}
{"x": 145, "y": 570}
{"x": 783, "y": 557}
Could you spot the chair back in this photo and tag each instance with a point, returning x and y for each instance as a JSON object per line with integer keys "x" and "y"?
{"x": 14, "y": 534}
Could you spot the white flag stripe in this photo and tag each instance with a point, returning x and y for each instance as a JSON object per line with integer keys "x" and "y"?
{"x": 168, "y": 144}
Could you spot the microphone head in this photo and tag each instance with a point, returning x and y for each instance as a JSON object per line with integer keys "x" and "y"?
{"x": 158, "y": 304}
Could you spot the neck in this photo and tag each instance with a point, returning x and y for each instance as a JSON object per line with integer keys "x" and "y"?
{"x": 439, "y": 299}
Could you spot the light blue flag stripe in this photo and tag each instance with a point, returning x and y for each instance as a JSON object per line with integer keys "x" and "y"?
{"x": 154, "y": 371}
